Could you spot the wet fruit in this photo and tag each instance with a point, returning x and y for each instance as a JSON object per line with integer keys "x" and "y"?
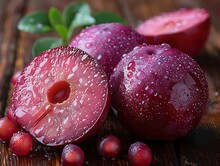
{"x": 72, "y": 155}
{"x": 15, "y": 76}
{"x": 159, "y": 92}
{"x": 107, "y": 43}
{"x": 21, "y": 143}
{"x": 10, "y": 114}
{"x": 139, "y": 154}
{"x": 184, "y": 29}
{"x": 7, "y": 129}
{"x": 61, "y": 96}
{"x": 109, "y": 146}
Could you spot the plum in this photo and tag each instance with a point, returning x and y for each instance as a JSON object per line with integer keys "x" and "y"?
{"x": 107, "y": 43}
{"x": 61, "y": 96}
{"x": 185, "y": 29}
{"x": 158, "y": 92}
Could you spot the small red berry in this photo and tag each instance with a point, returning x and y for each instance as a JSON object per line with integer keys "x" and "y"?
{"x": 10, "y": 115}
{"x": 72, "y": 155}
{"x": 7, "y": 129}
{"x": 139, "y": 154}
{"x": 109, "y": 146}
{"x": 21, "y": 143}
{"x": 15, "y": 76}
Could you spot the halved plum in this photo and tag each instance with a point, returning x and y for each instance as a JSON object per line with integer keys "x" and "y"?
{"x": 61, "y": 96}
{"x": 184, "y": 29}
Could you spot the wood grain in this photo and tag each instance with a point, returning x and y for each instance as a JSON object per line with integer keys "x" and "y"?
{"x": 201, "y": 147}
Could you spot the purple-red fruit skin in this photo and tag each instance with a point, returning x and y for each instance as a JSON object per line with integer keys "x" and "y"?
{"x": 107, "y": 43}
{"x": 159, "y": 92}
{"x": 7, "y": 129}
{"x": 21, "y": 143}
{"x": 109, "y": 146}
{"x": 139, "y": 154}
{"x": 72, "y": 155}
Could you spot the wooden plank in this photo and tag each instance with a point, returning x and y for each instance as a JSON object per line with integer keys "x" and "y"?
{"x": 8, "y": 46}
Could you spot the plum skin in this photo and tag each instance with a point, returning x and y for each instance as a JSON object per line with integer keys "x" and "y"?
{"x": 159, "y": 93}
{"x": 107, "y": 43}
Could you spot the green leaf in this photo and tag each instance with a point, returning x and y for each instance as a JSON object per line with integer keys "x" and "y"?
{"x": 70, "y": 11}
{"x": 82, "y": 18}
{"x": 45, "y": 43}
{"x": 108, "y": 17}
{"x": 35, "y": 22}
{"x": 61, "y": 30}
{"x": 55, "y": 16}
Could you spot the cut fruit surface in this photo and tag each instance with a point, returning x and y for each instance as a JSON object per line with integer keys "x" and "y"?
{"x": 61, "y": 96}
{"x": 184, "y": 29}
{"x": 174, "y": 21}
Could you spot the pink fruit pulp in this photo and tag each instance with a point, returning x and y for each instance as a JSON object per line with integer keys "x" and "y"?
{"x": 159, "y": 92}
{"x": 61, "y": 96}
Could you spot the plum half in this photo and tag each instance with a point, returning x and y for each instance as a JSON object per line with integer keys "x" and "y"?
{"x": 61, "y": 96}
{"x": 158, "y": 92}
{"x": 185, "y": 29}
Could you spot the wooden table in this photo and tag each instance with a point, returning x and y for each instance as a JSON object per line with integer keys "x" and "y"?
{"x": 201, "y": 147}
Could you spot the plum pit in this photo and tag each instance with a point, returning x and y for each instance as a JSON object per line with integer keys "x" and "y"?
{"x": 58, "y": 92}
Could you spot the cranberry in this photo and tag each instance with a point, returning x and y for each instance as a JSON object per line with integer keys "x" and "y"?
{"x": 109, "y": 146}
{"x": 72, "y": 155}
{"x": 21, "y": 143}
{"x": 139, "y": 154}
{"x": 7, "y": 129}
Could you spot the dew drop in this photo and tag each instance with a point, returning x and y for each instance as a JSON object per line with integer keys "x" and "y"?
{"x": 131, "y": 66}
{"x": 150, "y": 91}
{"x": 130, "y": 74}
{"x": 140, "y": 75}
{"x": 165, "y": 77}
{"x": 99, "y": 57}
{"x": 165, "y": 44}
{"x": 88, "y": 45}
